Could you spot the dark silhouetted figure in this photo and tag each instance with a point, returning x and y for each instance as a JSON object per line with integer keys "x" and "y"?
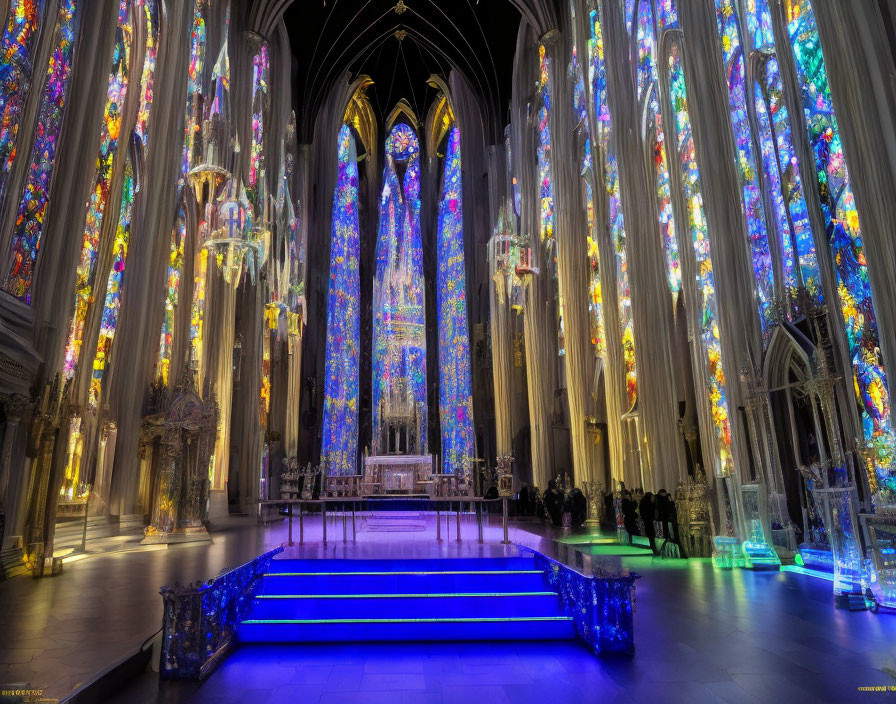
{"x": 629, "y": 514}
{"x": 647, "y": 507}
{"x": 522, "y": 503}
{"x": 668, "y": 516}
{"x": 576, "y": 507}
{"x": 609, "y": 510}
{"x": 553, "y": 503}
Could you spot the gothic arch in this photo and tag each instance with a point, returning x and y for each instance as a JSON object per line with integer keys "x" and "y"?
{"x": 788, "y": 349}
{"x": 402, "y": 109}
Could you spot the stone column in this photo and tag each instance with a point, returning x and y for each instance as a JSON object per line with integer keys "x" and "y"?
{"x": 740, "y": 334}
{"x": 140, "y": 319}
{"x": 663, "y": 462}
{"x": 572, "y": 263}
{"x": 13, "y": 479}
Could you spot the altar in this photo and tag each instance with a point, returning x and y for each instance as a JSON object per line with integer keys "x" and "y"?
{"x": 397, "y": 474}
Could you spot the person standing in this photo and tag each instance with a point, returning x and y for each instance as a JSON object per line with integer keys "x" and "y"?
{"x": 668, "y": 516}
{"x": 647, "y": 507}
{"x": 629, "y": 515}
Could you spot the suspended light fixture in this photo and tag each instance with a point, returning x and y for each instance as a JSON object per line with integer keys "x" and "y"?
{"x": 235, "y": 240}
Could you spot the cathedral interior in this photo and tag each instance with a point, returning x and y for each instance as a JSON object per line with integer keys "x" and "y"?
{"x": 362, "y": 350}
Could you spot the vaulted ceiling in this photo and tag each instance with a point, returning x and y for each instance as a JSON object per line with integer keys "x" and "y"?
{"x": 400, "y": 44}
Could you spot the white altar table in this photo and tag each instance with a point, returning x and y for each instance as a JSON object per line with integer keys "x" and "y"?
{"x": 397, "y": 474}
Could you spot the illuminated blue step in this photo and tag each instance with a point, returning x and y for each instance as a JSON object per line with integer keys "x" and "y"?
{"x": 405, "y": 600}
{"x": 403, "y": 565}
{"x": 434, "y": 629}
{"x": 404, "y": 580}
{"x": 423, "y": 605}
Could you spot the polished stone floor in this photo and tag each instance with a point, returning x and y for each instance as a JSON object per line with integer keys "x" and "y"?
{"x": 58, "y": 633}
{"x": 701, "y": 635}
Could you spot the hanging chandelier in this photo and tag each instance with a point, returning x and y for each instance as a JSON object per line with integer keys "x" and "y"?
{"x": 235, "y": 240}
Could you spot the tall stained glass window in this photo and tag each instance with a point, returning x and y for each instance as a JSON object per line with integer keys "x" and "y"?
{"x": 33, "y": 203}
{"x": 842, "y": 227}
{"x": 17, "y": 44}
{"x": 99, "y": 196}
{"x": 399, "y": 363}
{"x": 597, "y": 73}
{"x": 193, "y": 119}
{"x": 546, "y": 179}
{"x": 260, "y": 70}
{"x": 455, "y": 394}
{"x": 116, "y": 274}
{"x": 340, "y": 423}
{"x": 783, "y": 182}
{"x": 595, "y": 296}
{"x": 174, "y": 270}
{"x": 708, "y": 315}
{"x": 656, "y": 137}
{"x": 739, "y": 99}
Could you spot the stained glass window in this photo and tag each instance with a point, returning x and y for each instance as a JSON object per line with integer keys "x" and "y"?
{"x": 116, "y": 275}
{"x": 114, "y": 283}
{"x": 545, "y": 183}
{"x": 33, "y": 203}
{"x": 656, "y": 137}
{"x": 340, "y": 423}
{"x": 99, "y": 196}
{"x": 598, "y": 77}
{"x": 174, "y": 271}
{"x": 260, "y": 70}
{"x": 739, "y": 98}
{"x": 708, "y": 316}
{"x": 399, "y": 364}
{"x": 193, "y": 120}
{"x": 595, "y": 296}
{"x": 17, "y": 45}
{"x": 842, "y": 226}
{"x": 455, "y": 395}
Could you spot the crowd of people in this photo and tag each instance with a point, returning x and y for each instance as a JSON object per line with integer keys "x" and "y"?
{"x": 553, "y": 504}
{"x": 647, "y": 514}
{"x": 640, "y": 513}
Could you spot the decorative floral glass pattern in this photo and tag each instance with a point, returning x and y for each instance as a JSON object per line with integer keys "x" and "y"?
{"x": 598, "y": 78}
{"x": 842, "y": 227}
{"x": 455, "y": 392}
{"x": 33, "y": 203}
{"x": 340, "y": 423}
{"x": 709, "y": 326}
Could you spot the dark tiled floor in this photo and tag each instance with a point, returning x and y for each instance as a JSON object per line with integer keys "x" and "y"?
{"x": 701, "y": 635}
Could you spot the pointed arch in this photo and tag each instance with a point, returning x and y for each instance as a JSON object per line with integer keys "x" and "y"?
{"x": 787, "y": 349}
{"x": 359, "y": 113}
{"x": 402, "y": 109}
